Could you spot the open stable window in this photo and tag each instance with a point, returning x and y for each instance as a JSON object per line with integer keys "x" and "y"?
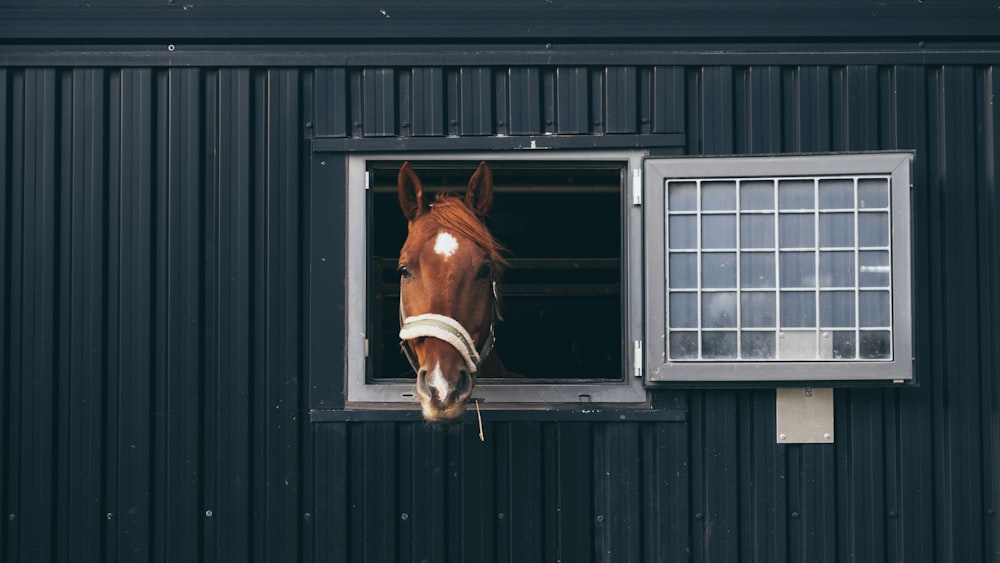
{"x": 778, "y": 268}
{"x": 570, "y": 308}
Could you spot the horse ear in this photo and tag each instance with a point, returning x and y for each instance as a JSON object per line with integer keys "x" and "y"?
{"x": 411, "y": 193}
{"x": 479, "y": 196}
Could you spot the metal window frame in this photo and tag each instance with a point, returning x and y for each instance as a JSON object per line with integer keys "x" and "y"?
{"x": 360, "y": 393}
{"x": 658, "y": 366}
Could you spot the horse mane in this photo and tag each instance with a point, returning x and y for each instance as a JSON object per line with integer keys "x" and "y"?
{"x": 451, "y": 213}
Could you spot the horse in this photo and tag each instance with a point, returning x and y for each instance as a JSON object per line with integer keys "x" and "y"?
{"x": 448, "y": 301}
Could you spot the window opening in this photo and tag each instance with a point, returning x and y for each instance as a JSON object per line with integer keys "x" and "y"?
{"x": 560, "y": 295}
{"x": 571, "y": 308}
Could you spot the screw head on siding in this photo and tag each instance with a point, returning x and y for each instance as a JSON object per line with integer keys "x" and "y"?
{"x": 171, "y": 48}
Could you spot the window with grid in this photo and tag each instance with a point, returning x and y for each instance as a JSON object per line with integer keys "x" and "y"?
{"x": 779, "y": 267}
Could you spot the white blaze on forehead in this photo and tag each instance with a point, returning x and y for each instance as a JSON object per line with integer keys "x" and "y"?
{"x": 445, "y": 244}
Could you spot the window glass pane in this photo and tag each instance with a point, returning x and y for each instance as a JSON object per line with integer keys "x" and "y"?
{"x": 873, "y": 229}
{"x": 757, "y": 231}
{"x": 797, "y": 345}
{"x": 718, "y": 231}
{"x": 683, "y": 231}
{"x": 758, "y": 345}
{"x": 836, "y": 193}
{"x": 875, "y": 345}
{"x": 683, "y": 310}
{"x": 836, "y": 309}
{"x": 836, "y": 269}
{"x": 844, "y": 344}
{"x": 798, "y": 309}
{"x": 757, "y": 195}
{"x": 795, "y": 194}
{"x": 797, "y": 230}
{"x": 873, "y": 193}
{"x": 874, "y": 307}
{"x": 683, "y": 270}
{"x": 798, "y": 269}
{"x": 875, "y": 270}
{"x": 718, "y": 310}
{"x": 836, "y": 229}
{"x": 718, "y": 196}
{"x": 682, "y": 196}
{"x": 683, "y": 345}
{"x": 757, "y": 270}
{"x": 718, "y": 270}
{"x": 718, "y": 345}
{"x": 758, "y": 309}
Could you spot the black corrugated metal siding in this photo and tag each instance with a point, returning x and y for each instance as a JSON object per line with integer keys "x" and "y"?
{"x": 159, "y": 365}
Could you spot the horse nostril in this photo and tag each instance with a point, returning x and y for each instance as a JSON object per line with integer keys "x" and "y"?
{"x": 422, "y": 380}
{"x": 464, "y": 384}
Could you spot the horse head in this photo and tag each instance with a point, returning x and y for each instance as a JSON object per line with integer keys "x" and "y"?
{"x": 448, "y": 269}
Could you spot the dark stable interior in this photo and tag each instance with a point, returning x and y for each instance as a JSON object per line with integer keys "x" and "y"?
{"x": 561, "y": 295}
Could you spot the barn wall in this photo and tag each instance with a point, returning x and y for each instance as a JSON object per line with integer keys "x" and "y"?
{"x": 159, "y": 359}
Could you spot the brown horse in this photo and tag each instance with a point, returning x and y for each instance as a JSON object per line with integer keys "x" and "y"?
{"x": 448, "y": 269}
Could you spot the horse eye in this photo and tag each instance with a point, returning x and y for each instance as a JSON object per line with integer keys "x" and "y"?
{"x": 403, "y": 272}
{"x": 484, "y": 272}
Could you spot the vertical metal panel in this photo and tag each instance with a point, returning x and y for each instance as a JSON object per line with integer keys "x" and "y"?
{"x": 572, "y": 111}
{"x": 331, "y": 102}
{"x": 135, "y": 227}
{"x": 758, "y": 110}
{"x": 525, "y": 515}
{"x": 717, "y": 475}
{"x": 574, "y": 527}
{"x": 184, "y": 219}
{"x": 6, "y": 267}
{"x": 667, "y": 107}
{"x": 769, "y": 503}
{"x": 618, "y": 494}
{"x": 33, "y": 433}
{"x": 988, "y": 87}
{"x": 476, "y": 95}
{"x": 861, "y": 505}
{"x": 85, "y": 367}
{"x": 428, "y": 98}
{"x": 478, "y": 516}
{"x": 808, "y": 111}
{"x": 526, "y": 101}
{"x": 230, "y": 410}
{"x": 621, "y": 100}
{"x": 283, "y": 246}
{"x": 332, "y": 481}
{"x": 715, "y": 114}
{"x": 666, "y": 477}
{"x": 960, "y": 463}
{"x": 379, "y": 102}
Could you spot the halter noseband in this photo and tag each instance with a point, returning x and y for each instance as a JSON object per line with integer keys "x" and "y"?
{"x": 449, "y": 330}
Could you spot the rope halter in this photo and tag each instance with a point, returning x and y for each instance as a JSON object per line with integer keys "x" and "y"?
{"x": 449, "y": 330}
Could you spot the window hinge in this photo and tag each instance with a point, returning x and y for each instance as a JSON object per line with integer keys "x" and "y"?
{"x": 366, "y": 347}
{"x": 637, "y": 358}
{"x": 636, "y": 186}
{"x": 368, "y": 180}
